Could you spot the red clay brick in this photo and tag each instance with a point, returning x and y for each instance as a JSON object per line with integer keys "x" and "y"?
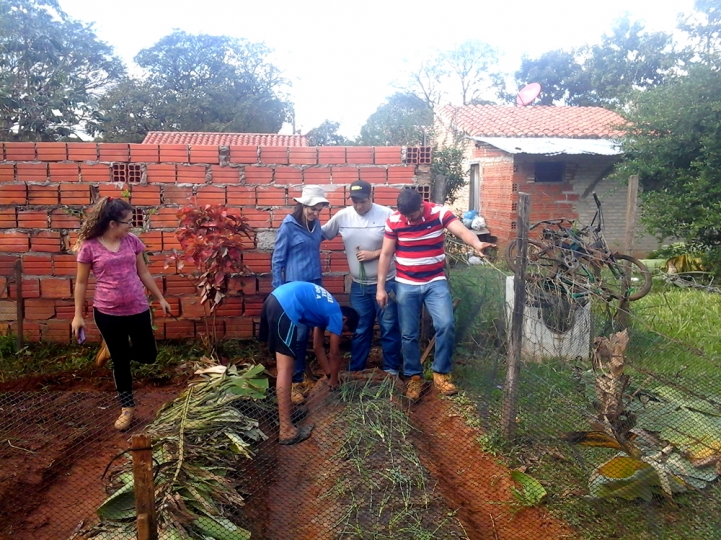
{"x": 333, "y": 245}
{"x": 37, "y": 265}
{"x": 338, "y": 262}
{"x": 258, "y": 262}
{"x": 38, "y": 194}
{"x": 14, "y": 242}
{"x": 373, "y": 175}
{"x": 179, "y": 330}
{"x": 32, "y": 172}
{"x": 174, "y": 152}
{"x": 362, "y": 155}
{"x": 204, "y": 154}
{"x": 224, "y": 175}
{"x": 162, "y": 173}
{"x": 39, "y": 309}
{"x": 210, "y": 195}
{"x": 387, "y": 196}
{"x": 170, "y": 241}
{"x": 74, "y": 194}
{"x": 344, "y": 175}
{"x": 157, "y": 264}
{"x": 64, "y": 265}
{"x": 316, "y": 175}
{"x": 179, "y": 285}
{"x": 288, "y": 175}
{"x": 8, "y": 218}
{"x": 114, "y": 152}
{"x": 336, "y": 196}
{"x": 258, "y": 175}
{"x": 46, "y": 242}
{"x": 252, "y": 306}
{"x": 387, "y": 155}
{"x": 143, "y": 195}
{"x": 265, "y": 284}
{"x": 56, "y": 330}
{"x": 98, "y": 172}
{"x": 31, "y": 288}
{"x": 257, "y": 218}
{"x": 19, "y": 151}
{"x": 7, "y": 172}
{"x": 238, "y": 328}
{"x": 51, "y": 151}
{"x": 82, "y": 151}
{"x": 64, "y": 172}
{"x": 271, "y": 195}
{"x": 274, "y": 155}
{"x": 241, "y": 195}
{"x": 232, "y": 306}
{"x": 165, "y": 217}
{"x": 60, "y": 219}
{"x": 177, "y": 195}
{"x": 153, "y": 240}
{"x": 13, "y": 194}
{"x": 401, "y": 175}
{"x": 65, "y": 309}
{"x": 331, "y": 155}
{"x": 334, "y": 284}
{"x": 56, "y": 288}
{"x": 191, "y": 174}
{"x": 244, "y": 154}
{"x": 144, "y": 153}
{"x": 32, "y": 219}
{"x": 191, "y": 308}
{"x": 7, "y": 263}
{"x": 300, "y": 155}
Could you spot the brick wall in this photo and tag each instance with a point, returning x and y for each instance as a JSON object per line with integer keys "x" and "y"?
{"x": 43, "y": 186}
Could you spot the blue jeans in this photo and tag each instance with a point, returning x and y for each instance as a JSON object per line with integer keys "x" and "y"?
{"x": 437, "y": 298}
{"x": 301, "y": 346}
{"x": 363, "y": 300}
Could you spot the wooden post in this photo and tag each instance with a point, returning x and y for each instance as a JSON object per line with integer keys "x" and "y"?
{"x": 622, "y": 315}
{"x": 144, "y": 487}
{"x": 20, "y": 303}
{"x": 510, "y": 387}
{"x": 439, "y": 189}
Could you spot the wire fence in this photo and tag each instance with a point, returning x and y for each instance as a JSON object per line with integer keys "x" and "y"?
{"x": 617, "y": 435}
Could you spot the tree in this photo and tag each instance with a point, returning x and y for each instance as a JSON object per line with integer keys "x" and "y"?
{"x": 197, "y": 83}
{"x": 52, "y": 69}
{"x": 674, "y": 145}
{"x": 558, "y": 72}
{"x": 327, "y": 134}
{"x": 401, "y": 120}
{"x": 703, "y": 28}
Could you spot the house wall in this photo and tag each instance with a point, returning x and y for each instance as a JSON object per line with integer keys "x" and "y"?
{"x": 45, "y": 186}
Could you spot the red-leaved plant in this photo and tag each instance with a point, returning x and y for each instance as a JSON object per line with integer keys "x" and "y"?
{"x": 211, "y": 239}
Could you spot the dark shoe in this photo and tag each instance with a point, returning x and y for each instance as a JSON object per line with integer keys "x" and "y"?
{"x": 303, "y": 433}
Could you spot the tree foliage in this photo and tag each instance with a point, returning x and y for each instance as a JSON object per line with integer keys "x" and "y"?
{"x": 52, "y": 69}
{"x": 401, "y": 120}
{"x": 327, "y": 134}
{"x": 197, "y": 83}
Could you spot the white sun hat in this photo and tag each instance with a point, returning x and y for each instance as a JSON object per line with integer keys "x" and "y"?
{"x": 311, "y": 196}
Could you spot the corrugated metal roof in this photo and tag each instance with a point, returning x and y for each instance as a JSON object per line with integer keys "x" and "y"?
{"x": 552, "y": 146}
{"x": 224, "y": 139}
{"x": 534, "y": 121}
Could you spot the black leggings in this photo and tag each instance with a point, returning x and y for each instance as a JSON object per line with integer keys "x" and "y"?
{"x": 128, "y": 337}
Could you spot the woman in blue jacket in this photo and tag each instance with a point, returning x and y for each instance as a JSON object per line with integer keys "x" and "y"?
{"x": 296, "y": 257}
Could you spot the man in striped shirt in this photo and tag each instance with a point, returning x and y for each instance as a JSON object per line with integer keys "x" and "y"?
{"x": 415, "y": 235}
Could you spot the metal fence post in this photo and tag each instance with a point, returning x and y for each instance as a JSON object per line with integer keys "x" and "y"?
{"x": 510, "y": 387}
{"x": 144, "y": 487}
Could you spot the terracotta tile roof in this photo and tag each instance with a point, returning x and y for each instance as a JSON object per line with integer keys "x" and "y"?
{"x": 224, "y": 139}
{"x": 534, "y": 121}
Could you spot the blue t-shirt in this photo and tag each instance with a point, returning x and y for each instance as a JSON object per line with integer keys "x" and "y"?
{"x": 311, "y": 305}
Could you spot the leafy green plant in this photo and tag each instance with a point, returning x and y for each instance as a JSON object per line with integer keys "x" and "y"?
{"x": 531, "y": 492}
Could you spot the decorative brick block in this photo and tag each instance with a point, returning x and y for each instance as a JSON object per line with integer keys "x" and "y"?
{"x": 331, "y": 155}
{"x": 8, "y": 218}
{"x": 51, "y": 151}
{"x": 98, "y": 172}
{"x": 288, "y": 175}
{"x": 7, "y": 172}
{"x": 144, "y": 153}
{"x": 243, "y": 154}
{"x": 344, "y": 175}
{"x": 177, "y": 153}
{"x": 210, "y": 195}
{"x": 19, "y": 151}
{"x": 32, "y": 172}
{"x": 258, "y": 175}
{"x": 64, "y": 172}
{"x": 224, "y": 175}
{"x": 387, "y": 155}
{"x": 33, "y": 219}
{"x": 82, "y": 151}
{"x": 316, "y": 175}
{"x": 114, "y": 152}
{"x": 46, "y": 242}
{"x": 275, "y": 155}
{"x": 13, "y": 194}
{"x": 165, "y": 174}
{"x": 204, "y": 154}
{"x": 145, "y": 195}
{"x": 48, "y": 195}
{"x": 303, "y": 155}
{"x": 191, "y": 174}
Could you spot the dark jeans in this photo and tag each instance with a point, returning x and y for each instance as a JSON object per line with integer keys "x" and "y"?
{"x": 128, "y": 337}
{"x": 301, "y": 345}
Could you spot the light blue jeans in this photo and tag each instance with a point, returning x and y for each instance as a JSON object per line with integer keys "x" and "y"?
{"x": 363, "y": 300}
{"x": 437, "y": 299}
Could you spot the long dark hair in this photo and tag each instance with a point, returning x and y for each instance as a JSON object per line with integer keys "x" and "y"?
{"x": 106, "y": 210}
{"x": 298, "y": 213}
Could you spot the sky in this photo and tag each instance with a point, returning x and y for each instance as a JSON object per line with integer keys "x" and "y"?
{"x": 344, "y": 58}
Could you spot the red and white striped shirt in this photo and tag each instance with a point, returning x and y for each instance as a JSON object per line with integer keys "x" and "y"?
{"x": 420, "y": 256}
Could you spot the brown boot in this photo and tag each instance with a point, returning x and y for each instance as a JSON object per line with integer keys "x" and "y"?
{"x": 103, "y": 355}
{"x": 296, "y": 393}
{"x": 442, "y": 381}
{"x": 125, "y": 418}
{"x": 414, "y": 387}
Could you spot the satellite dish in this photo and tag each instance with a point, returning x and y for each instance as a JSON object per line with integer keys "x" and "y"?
{"x": 527, "y": 94}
